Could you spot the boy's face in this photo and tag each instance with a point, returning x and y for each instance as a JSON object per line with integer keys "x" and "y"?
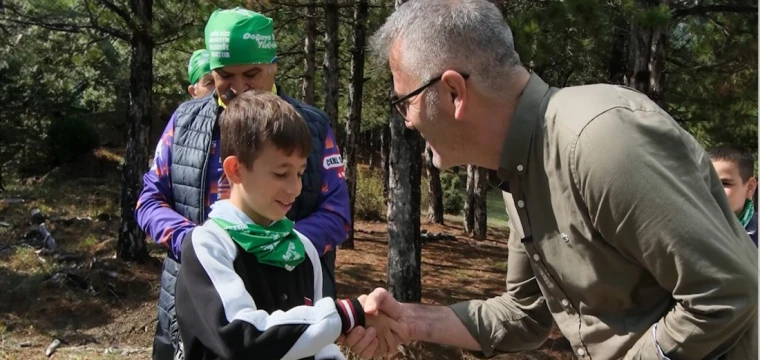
{"x": 268, "y": 189}
{"x": 737, "y": 190}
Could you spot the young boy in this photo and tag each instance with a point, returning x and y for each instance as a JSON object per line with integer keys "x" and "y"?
{"x": 735, "y": 167}
{"x": 250, "y": 286}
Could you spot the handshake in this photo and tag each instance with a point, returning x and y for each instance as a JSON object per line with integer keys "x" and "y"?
{"x": 387, "y": 327}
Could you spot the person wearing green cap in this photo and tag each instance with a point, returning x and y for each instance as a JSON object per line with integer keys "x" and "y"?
{"x": 199, "y": 75}
{"x": 186, "y": 177}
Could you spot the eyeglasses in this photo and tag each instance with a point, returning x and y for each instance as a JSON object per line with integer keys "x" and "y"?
{"x": 402, "y": 104}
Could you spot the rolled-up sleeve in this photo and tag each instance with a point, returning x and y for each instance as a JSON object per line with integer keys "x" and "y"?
{"x": 517, "y": 320}
{"x": 652, "y": 195}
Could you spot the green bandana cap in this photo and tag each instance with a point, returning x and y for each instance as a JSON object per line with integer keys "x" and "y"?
{"x": 747, "y": 213}
{"x": 198, "y": 66}
{"x": 277, "y": 245}
{"x": 240, "y": 37}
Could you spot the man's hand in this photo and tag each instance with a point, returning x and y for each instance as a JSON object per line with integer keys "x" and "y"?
{"x": 390, "y": 334}
{"x": 385, "y": 319}
{"x": 380, "y": 300}
{"x": 380, "y": 303}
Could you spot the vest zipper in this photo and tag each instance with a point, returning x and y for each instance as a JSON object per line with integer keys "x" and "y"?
{"x": 205, "y": 172}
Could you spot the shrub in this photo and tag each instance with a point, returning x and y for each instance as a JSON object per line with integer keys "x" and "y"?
{"x": 70, "y": 137}
{"x": 453, "y": 193}
{"x": 370, "y": 203}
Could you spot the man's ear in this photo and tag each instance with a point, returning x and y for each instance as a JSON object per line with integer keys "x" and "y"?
{"x": 231, "y": 167}
{"x": 456, "y": 86}
{"x": 191, "y": 90}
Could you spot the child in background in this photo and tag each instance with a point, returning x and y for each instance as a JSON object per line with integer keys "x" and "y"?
{"x": 735, "y": 167}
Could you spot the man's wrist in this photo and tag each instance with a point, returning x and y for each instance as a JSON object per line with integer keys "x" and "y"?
{"x": 418, "y": 327}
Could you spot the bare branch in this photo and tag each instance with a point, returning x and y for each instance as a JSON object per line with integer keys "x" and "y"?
{"x": 288, "y": 53}
{"x": 704, "y": 9}
{"x": 182, "y": 30}
{"x": 303, "y": 5}
{"x": 120, "y": 12}
{"x": 63, "y": 26}
{"x": 69, "y": 28}
{"x": 718, "y": 67}
{"x": 96, "y": 24}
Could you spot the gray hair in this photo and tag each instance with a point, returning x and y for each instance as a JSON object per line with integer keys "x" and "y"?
{"x": 470, "y": 36}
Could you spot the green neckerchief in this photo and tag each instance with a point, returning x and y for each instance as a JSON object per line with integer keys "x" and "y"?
{"x": 276, "y": 245}
{"x": 747, "y": 213}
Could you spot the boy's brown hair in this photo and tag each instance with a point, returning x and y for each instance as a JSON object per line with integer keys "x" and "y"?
{"x": 256, "y": 118}
{"x": 742, "y": 158}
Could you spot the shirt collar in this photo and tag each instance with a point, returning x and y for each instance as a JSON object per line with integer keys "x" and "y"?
{"x": 752, "y": 225}
{"x": 516, "y": 148}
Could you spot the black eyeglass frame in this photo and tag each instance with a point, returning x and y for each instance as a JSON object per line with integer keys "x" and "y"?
{"x": 395, "y": 102}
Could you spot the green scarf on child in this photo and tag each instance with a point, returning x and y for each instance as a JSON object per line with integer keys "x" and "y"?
{"x": 747, "y": 213}
{"x": 277, "y": 245}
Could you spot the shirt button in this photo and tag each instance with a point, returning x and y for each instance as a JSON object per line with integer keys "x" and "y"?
{"x": 581, "y": 352}
{"x": 565, "y": 302}
{"x": 536, "y": 257}
{"x": 520, "y": 203}
{"x": 564, "y": 237}
{"x": 519, "y": 168}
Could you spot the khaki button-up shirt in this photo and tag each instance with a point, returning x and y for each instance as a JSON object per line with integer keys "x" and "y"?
{"x": 621, "y": 233}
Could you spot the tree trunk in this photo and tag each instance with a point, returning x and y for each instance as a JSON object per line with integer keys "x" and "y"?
{"x": 480, "y": 197}
{"x": 331, "y": 67}
{"x": 404, "y": 276}
{"x": 469, "y": 201}
{"x": 355, "y": 91}
{"x": 365, "y": 151}
{"x": 647, "y": 55}
{"x": 618, "y": 63}
{"x": 435, "y": 192}
{"x": 310, "y": 54}
{"x": 374, "y": 141}
{"x": 385, "y": 146}
{"x": 131, "y": 242}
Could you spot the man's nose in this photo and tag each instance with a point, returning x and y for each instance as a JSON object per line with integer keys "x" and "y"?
{"x": 238, "y": 85}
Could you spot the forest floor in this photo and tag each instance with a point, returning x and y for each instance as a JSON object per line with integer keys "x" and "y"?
{"x": 99, "y": 307}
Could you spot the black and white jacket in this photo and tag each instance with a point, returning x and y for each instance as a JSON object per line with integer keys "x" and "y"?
{"x": 230, "y": 306}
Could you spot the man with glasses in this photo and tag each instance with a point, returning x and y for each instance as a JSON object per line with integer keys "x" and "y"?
{"x": 621, "y": 233}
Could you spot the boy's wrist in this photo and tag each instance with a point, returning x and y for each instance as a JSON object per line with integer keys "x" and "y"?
{"x": 351, "y": 314}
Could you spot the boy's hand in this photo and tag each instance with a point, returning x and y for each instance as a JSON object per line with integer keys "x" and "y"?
{"x": 360, "y": 341}
{"x": 387, "y": 340}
